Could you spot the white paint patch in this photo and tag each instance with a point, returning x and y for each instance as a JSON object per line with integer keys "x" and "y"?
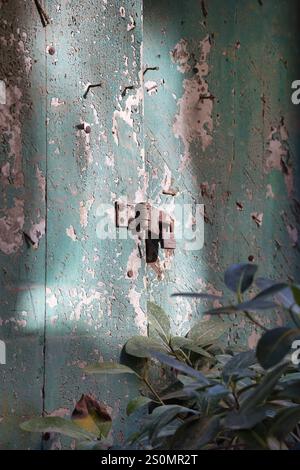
{"x": 71, "y": 233}
{"x": 132, "y": 24}
{"x": 125, "y": 114}
{"x": 257, "y": 217}
{"x": 95, "y": 113}
{"x": 141, "y": 317}
{"x": 41, "y": 182}
{"x": 110, "y": 160}
{"x": 2, "y": 92}
{"x": 56, "y": 102}
{"x": 87, "y": 149}
{"x": 11, "y": 226}
{"x": 167, "y": 178}
{"x": 51, "y": 299}
{"x": 132, "y": 104}
{"x": 151, "y": 87}
{"x": 37, "y": 231}
{"x": 134, "y": 264}
{"x": 181, "y": 56}
{"x": 293, "y": 234}
{"x": 5, "y": 170}
{"x": 269, "y": 192}
{"x": 10, "y": 126}
{"x": 84, "y": 208}
{"x": 277, "y": 156}
{"x": 194, "y": 120}
{"x": 86, "y": 302}
{"x": 141, "y": 193}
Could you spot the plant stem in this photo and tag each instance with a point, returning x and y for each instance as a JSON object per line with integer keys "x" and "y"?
{"x": 186, "y": 358}
{"x": 153, "y": 391}
{"x": 179, "y": 358}
{"x": 249, "y": 316}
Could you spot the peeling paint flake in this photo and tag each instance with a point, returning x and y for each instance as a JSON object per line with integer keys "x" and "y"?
{"x": 56, "y": 102}
{"x": 151, "y": 87}
{"x": 84, "y": 209}
{"x": 125, "y": 115}
{"x": 277, "y": 157}
{"x": 194, "y": 119}
{"x": 181, "y": 56}
{"x": 71, "y": 233}
{"x": 10, "y": 126}
{"x": 141, "y": 317}
{"x": 11, "y": 226}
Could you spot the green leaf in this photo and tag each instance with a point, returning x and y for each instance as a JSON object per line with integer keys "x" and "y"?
{"x": 111, "y": 368}
{"x": 296, "y": 294}
{"x": 163, "y": 415}
{"x": 253, "y": 304}
{"x": 142, "y": 346}
{"x": 262, "y": 391}
{"x": 195, "y": 433}
{"x": 239, "y": 277}
{"x": 178, "y": 342}
{"x": 181, "y": 367}
{"x": 238, "y": 365}
{"x": 236, "y": 420}
{"x": 272, "y": 290}
{"x": 92, "y": 416}
{"x": 104, "y": 444}
{"x": 197, "y": 295}
{"x": 159, "y": 320}
{"x": 59, "y": 425}
{"x": 288, "y": 390}
{"x": 252, "y": 439}
{"x": 136, "y": 404}
{"x": 206, "y": 332}
{"x": 274, "y": 345}
{"x": 285, "y": 422}
{"x": 196, "y": 390}
{"x": 284, "y": 297}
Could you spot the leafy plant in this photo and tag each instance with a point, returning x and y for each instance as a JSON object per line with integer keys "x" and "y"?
{"x": 217, "y": 400}
{"x": 211, "y": 397}
{"x": 90, "y": 423}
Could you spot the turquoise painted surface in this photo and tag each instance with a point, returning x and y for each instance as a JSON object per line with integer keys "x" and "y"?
{"x": 235, "y": 150}
{"x": 73, "y": 298}
{"x": 69, "y": 302}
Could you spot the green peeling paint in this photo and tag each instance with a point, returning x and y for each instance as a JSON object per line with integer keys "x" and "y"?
{"x": 69, "y": 298}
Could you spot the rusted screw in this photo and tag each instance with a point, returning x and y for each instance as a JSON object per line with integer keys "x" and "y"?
{"x": 130, "y": 273}
{"x": 84, "y": 127}
{"x": 51, "y": 50}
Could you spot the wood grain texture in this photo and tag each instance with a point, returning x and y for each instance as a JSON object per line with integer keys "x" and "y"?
{"x": 70, "y": 298}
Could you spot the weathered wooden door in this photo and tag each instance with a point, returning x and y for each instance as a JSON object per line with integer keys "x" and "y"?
{"x": 206, "y": 112}
{"x": 67, "y": 299}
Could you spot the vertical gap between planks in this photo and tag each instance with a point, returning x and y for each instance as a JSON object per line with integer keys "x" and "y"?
{"x": 46, "y": 231}
{"x": 146, "y": 166}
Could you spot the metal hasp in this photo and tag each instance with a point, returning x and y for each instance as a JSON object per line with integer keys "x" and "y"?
{"x": 150, "y": 223}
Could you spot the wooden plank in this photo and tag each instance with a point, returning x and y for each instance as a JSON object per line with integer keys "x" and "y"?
{"x": 216, "y": 149}
{"x": 93, "y": 305}
{"x": 22, "y": 163}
